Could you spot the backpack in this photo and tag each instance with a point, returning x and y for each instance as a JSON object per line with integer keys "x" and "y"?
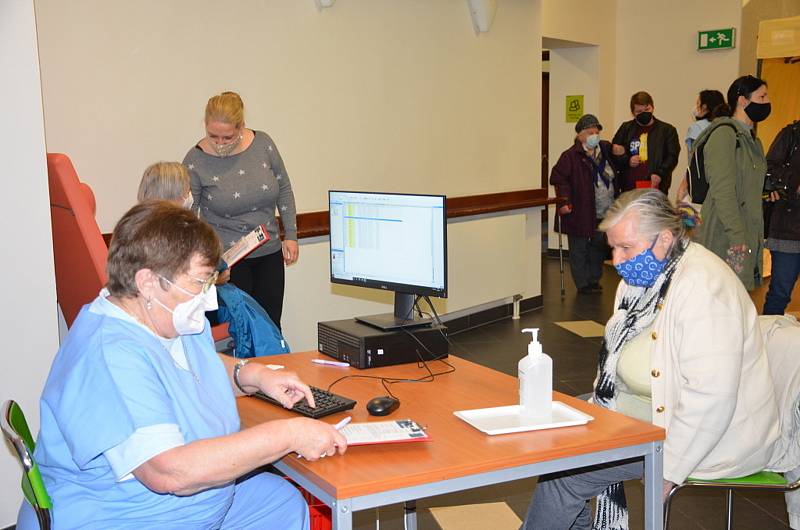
{"x": 696, "y": 172}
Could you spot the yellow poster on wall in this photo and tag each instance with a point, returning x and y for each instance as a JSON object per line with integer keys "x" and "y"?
{"x": 574, "y": 108}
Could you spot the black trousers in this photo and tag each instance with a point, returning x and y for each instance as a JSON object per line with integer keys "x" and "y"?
{"x": 263, "y": 278}
{"x": 586, "y": 255}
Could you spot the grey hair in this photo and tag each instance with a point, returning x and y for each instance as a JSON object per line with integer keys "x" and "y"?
{"x": 164, "y": 181}
{"x": 656, "y": 213}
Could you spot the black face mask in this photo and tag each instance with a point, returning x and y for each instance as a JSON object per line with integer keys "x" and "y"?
{"x": 758, "y": 111}
{"x": 643, "y": 118}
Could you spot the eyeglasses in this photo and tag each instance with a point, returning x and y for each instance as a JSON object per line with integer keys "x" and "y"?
{"x": 206, "y": 284}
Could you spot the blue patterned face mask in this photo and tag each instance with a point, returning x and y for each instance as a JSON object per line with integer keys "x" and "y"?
{"x": 642, "y": 269}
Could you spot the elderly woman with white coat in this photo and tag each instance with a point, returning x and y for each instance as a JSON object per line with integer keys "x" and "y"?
{"x": 683, "y": 350}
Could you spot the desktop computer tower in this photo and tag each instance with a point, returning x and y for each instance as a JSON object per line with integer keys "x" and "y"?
{"x": 367, "y": 347}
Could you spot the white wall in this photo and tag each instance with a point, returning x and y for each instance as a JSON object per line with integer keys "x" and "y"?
{"x": 657, "y": 52}
{"x": 28, "y": 311}
{"x": 590, "y": 23}
{"x": 367, "y": 94}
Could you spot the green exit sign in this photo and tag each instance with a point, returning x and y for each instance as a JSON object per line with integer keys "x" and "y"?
{"x": 716, "y": 39}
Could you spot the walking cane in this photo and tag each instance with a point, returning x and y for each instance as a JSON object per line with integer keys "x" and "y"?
{"x": 560, "y": 253}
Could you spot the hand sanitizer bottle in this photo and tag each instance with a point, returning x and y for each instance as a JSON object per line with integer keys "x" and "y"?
{"x": 536, "y": 381}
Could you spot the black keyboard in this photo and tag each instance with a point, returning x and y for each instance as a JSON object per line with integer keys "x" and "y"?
{"x": 327, "y": 403}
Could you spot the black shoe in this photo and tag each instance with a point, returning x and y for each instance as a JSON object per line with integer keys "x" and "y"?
{"x": 596, "y": 287}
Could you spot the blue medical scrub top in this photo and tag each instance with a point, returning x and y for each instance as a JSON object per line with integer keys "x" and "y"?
{"x": 110, "y": 378}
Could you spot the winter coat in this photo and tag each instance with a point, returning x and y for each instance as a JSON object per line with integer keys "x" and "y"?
{"x": 253, "y": 332}
{"x": 573, "y": 178}
{"x": 732, "y": 213}
{"x": 783, "y": 163}
{"x": 711, "y": 384}
{"x": 663, "y": 148}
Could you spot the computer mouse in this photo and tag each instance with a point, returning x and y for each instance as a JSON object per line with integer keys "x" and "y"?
{"x": 383, "y": 405}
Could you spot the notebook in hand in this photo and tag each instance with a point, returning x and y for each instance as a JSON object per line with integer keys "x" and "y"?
{"x": 381, "y": 432}
{"x": 246, "y": 245}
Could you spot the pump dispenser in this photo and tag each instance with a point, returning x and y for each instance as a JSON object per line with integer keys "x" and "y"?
{"x": 536, "y": 381}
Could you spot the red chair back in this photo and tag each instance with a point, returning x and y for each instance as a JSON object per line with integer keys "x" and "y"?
{"x": 79, "y": 251}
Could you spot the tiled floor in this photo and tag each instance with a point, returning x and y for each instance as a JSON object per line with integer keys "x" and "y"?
{"x": 501, "y": 345}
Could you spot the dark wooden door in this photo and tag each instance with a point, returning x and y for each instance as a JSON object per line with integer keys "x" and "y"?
{"x": 545, "y": 124}
{"x": 545, "y": 132}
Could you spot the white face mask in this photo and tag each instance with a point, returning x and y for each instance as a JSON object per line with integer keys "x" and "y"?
{"x": 188, "y": 202}
{"x": 592, "y": 141}
{"x": 188, "y": 318}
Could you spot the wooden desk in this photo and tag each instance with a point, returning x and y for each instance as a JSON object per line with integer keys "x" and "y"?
{"x": 459, "y": 457}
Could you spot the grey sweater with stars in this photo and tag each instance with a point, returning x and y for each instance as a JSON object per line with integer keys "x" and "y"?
{"x": 237, "y": 193}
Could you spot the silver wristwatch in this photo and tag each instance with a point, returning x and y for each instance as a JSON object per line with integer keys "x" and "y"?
{"x": 236, "y": 367}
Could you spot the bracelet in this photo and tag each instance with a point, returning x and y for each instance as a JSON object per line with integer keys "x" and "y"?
{"x": 236, "y": 367}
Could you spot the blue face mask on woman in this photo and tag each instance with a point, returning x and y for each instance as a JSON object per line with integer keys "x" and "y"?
{"x": 592, "y": 141}
{"x": 642, "y": 269}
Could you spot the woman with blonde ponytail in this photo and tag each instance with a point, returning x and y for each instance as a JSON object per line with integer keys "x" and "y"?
{"x": 239, "y": 181}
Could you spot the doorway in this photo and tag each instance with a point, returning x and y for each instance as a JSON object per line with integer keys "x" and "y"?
{"x": 572, "y": 69}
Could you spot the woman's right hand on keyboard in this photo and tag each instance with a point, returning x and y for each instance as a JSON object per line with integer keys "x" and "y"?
{"x": 314, "y": 439}
{"x": 284, "y": 386}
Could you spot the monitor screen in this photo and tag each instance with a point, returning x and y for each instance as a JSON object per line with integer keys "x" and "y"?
{"x": 391, "y": 241}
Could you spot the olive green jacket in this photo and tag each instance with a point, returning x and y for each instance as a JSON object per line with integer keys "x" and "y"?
{"x": 732, "y": 212}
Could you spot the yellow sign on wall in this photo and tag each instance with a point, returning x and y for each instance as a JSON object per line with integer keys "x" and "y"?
{"x": 574, "y": 108}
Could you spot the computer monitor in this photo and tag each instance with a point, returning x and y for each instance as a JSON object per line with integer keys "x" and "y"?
{"x": 391, "y": 241}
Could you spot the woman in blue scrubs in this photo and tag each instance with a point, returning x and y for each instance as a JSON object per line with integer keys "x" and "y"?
{"x": 139, "y": 427}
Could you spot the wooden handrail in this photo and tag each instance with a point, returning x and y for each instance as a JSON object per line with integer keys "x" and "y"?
{"x": 315, "y": 224}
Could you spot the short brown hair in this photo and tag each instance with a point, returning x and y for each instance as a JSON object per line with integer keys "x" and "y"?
{"x": 164, "y": 181}
{"x": 641, "y": 98}
{"x": 159, "y": 236}
{"x": 227, "y": 107}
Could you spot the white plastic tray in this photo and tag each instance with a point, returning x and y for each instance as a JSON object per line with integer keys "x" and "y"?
{"x": 504, "y": 420}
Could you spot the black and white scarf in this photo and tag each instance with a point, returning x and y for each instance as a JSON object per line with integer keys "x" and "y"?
{"x": 636, "y": 312}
